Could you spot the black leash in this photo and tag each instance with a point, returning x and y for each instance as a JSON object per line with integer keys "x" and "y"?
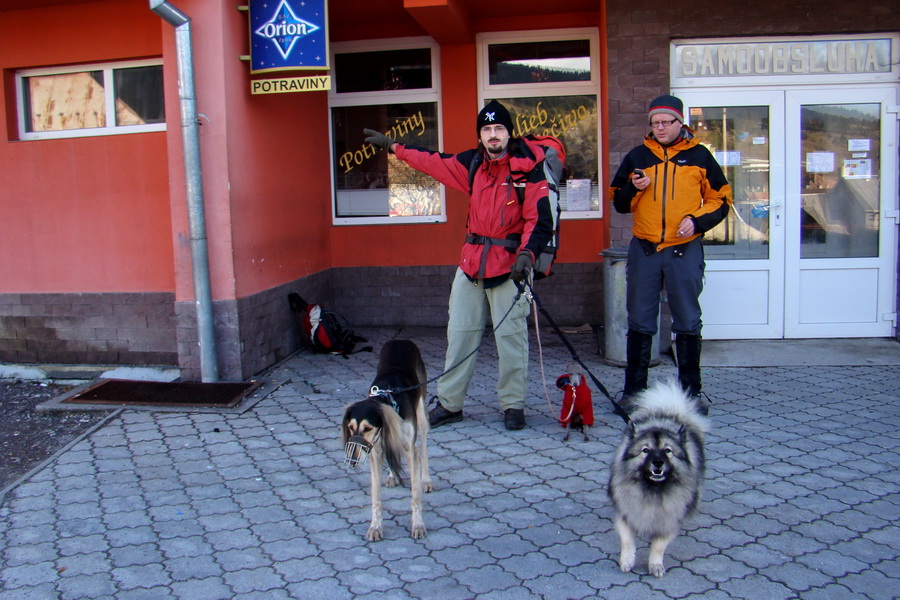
{"x": 467, "y": 356}
{"x": 617, "y": 408}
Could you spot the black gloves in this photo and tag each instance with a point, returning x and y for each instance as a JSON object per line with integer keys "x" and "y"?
{"x": 378, "y": 140}
{"x": 521, "y": 267}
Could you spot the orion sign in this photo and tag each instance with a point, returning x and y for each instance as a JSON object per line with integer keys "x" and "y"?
{"x": 288, "y": 35}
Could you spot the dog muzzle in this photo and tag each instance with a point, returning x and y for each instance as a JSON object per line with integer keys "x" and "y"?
{"x": 356, "y": 450}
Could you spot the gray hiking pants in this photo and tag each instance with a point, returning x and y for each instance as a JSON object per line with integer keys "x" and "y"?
{"x": 678, "y": 268}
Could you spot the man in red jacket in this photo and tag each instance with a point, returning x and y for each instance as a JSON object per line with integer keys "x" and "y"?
{"x": 504, "y": 237}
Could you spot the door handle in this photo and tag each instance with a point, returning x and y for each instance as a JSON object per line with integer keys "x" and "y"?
{"x": 761, "y": 210}
{"x": 764, "y": 210}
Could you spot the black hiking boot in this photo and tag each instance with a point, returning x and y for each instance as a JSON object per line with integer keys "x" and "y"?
{"x": 514, "y": 418}
{"x": 441, "y": 416}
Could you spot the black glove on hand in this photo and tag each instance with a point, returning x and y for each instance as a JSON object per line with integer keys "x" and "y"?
{"x": 521, "y": 267}
{"x": 378, "y": 139}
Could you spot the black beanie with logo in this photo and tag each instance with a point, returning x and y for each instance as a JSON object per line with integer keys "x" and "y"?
{"x": 494, "y": 113}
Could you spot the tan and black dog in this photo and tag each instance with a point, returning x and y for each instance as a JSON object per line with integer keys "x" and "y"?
{"x": 391, "y": 422}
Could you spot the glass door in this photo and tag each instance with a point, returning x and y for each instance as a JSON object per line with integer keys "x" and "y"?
{"x": 744, "y": 289}
{"x": 841, "y": 241}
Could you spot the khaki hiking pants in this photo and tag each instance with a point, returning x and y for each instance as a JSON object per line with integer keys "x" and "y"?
{"x": 469, "y": 307}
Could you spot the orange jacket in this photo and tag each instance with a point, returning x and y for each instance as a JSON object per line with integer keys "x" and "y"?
{"x": 686, "y": 181}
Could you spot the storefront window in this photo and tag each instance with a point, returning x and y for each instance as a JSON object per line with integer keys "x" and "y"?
{"x": 381, "y": 71}
{"x": 391, "y": 90}
{"x": 102, "y": 100}
{"x": 548, "y": 81}
{"x": 376, "y": 184}
{"x": 539, "y": 62}
{"x": 738, "y": 137}
{"x": 840, "y": 180}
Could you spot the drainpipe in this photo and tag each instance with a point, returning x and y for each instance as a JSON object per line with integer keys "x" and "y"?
{"x": 190, "y": 135}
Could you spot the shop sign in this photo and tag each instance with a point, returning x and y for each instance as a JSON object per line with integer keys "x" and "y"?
{"x": 795, "y": 57}
{"x": 290, "y": 84}
{"x": 287, "y": 35}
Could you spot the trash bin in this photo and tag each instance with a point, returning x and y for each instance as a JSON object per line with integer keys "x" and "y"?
{"x": 615, "y": 315}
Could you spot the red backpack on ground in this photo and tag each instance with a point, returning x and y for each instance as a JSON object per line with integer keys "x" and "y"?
{"x": 326, "y": 331}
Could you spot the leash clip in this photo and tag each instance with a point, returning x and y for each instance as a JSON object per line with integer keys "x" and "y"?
{"x": 387, "y": 397}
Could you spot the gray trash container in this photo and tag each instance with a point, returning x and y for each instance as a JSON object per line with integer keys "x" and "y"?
{"x": 615, "y": 315}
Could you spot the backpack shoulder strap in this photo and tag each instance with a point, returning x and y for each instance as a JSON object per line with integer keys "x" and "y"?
{"x": 477, "y": 159}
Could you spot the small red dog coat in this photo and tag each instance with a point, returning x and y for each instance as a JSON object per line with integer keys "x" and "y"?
{"x": 576, "y": 401}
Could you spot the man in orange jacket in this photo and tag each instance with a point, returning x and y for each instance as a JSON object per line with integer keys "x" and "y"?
{"x": 676, "y": 191}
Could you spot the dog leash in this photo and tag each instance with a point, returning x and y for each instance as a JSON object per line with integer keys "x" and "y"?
{"x": 537, "y": 334}
{"x": 521, "y": 290}
{"x": 617, "y": 408}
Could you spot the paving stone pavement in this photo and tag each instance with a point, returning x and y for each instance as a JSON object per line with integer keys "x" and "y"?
{"x": 800, "y": 501}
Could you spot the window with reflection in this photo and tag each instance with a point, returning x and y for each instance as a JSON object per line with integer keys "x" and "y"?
{"x": 738, "y": 137}
{"x": 391, "y": 90}
{"x": 539, "y": 62}
{"x": 839, "y": 184}
{"x": 548, "y": 80}
{"x": 573, "y": 119}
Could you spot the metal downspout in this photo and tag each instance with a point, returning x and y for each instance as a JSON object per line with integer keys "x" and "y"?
{"x": 190, "y": 135}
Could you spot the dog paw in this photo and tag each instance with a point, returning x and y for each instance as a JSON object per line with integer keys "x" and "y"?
{"x": 391, "y": 481}
{"x": 427, "y": 486}
{"x": 418, "y": 532}
{"x": 375, "y": 534}
{"x": 626, "y": 563}
{"x": 656, "y": 569}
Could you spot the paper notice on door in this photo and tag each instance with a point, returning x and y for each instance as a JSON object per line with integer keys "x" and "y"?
{"x": 578, "y": 194}
{"x": 820, "y": 162}
{"x": 731, "y": 158}
{"x": 859, "y": 145}
{"x": 860, "y": 168}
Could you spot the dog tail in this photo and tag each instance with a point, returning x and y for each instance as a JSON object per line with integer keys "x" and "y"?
{"x": 667, "y": 398}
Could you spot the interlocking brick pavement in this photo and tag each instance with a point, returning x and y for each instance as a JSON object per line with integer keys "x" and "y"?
{"x": 800, "y": 501}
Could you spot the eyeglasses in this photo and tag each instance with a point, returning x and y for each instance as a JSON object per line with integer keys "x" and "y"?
{"x": 662, "y": 124}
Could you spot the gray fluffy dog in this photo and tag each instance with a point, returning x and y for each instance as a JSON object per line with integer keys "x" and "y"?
{"x": 657, "y": 471}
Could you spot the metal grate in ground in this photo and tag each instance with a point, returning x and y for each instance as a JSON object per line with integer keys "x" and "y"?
{"x": 156, "y": 393}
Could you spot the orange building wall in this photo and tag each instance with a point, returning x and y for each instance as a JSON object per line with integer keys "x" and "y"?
{"x": 265, "y": 166}
{"x": 82, "y": 214}
{"x": 116, "y": 207}
{"x": 439, "y": 244}
{"x": 279, "y": 164}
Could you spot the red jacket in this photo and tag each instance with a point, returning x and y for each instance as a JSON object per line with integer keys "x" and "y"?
{"x": 494, "y": 210}
{"x": 576, "y": 402}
